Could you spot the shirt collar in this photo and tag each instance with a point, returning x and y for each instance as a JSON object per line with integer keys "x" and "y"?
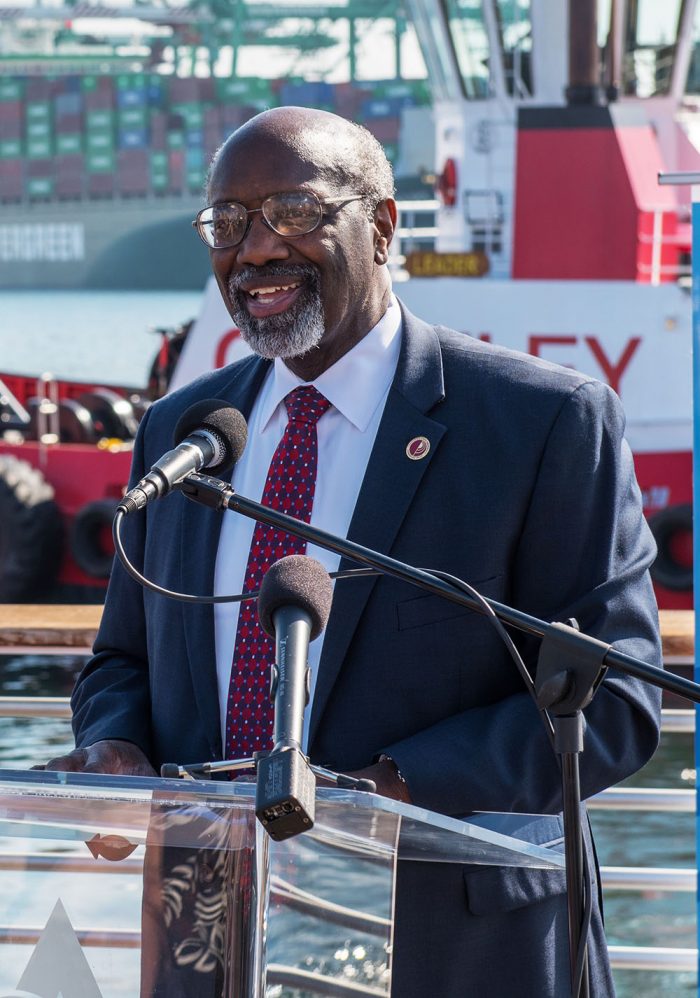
{"x": 370, "y": 364}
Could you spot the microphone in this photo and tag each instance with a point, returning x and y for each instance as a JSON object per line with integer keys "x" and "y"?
{"x": 293, "y": 607}
{"x": 210, "y": 434}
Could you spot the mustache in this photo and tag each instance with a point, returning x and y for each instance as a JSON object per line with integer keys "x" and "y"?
{"x": 273, "y": 271}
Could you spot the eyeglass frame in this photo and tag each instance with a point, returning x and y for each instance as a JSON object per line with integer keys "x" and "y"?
{"x": 342, "y": 201}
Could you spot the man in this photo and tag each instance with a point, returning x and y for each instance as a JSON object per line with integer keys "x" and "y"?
{"x": 448, "y": 454}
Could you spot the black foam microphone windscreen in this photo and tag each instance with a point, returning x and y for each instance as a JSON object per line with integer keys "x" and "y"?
{"x": 300, "y": 581}
{"x": 222, "y": 420}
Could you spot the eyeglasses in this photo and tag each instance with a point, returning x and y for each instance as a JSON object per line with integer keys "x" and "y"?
{"x": 295, "y": 213}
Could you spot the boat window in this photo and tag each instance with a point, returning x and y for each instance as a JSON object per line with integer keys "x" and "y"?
{"x": 651, "y": 33}
{"x": 466, "y": 21}
{"x": 515, "y": 32}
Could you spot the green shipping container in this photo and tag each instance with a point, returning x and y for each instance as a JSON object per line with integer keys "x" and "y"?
{"x": 133, "y": 117}
{"x": 99, "y": 141}
{"x": 100, "y": 119}
{"x": 69, "y": 143}
{"x": 159, "y": 180}
{"x": 192, "y": 113}
{"x": 11, "y": 89}
{"x": 39, "y": 148}
{"x": 245, "y": 89}
{"x": 88, "y": 83}
{"x": 134, "y": 81}
{"x": 100, "y": 162}
{"x": 40, "y": 187}
{"x": 195, "y": 180}
{"x": 159, "y": 160}
{"x": 38, "y": 111}
{"x": 176, "y": 140}
{"x": 10, "y": 148}
{"x": 38, "y": 130}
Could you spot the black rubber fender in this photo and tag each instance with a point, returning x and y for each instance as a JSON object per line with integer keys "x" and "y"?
{"x": 88, "y": 547}
{"x": 31, "y": 532}
{"x": 112, "y": 414}
{"x": 667, "y": 571}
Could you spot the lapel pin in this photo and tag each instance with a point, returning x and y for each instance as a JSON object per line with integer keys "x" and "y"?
{"x": 417, "y": 448}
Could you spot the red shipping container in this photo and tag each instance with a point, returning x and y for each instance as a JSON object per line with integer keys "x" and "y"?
{"x": 11, "y": 110}
{"x": 99, "y": 100}
{"x": 212, "y": 117}
{"x": 11, "y": 188}
{"x": 69, "y": 186}
{"x": 37, "y": 88}
{"x": 11, "y": 168}
{"x": 385, "y": 129}
{"x": 100, "y": 184}
{"x": 184, "y": 91}
{"x": 39, "y": 167}
{"x": 11, "y": 129}
{"x": 133, "y": 159}
{"x": 207, "y": 88}
{"x": 69, "y": 164}
{"x": 69, "y": 124}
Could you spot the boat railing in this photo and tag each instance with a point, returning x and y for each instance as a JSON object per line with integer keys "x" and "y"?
{"x": 52, "y": 629}
{"x": 417, "y": 229}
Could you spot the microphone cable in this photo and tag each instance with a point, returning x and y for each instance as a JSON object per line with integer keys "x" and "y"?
{"x": 190, "y": 597}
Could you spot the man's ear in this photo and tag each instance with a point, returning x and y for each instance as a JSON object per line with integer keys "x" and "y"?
{"x": 385, "y": 215}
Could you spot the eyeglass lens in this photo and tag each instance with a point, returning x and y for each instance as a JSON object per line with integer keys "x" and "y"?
{"x": 292, "y": 214}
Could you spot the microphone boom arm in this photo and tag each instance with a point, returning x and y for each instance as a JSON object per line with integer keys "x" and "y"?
{"x": 220, "y": 495}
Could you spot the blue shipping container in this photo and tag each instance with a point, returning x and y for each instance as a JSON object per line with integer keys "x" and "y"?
{"x": 132, "y": 138}
{"x": 307, "y": 94}
{"x": 131, "y": 98}
{"x": 68, "y": 104}
{"x": 194, "y": 158}
{"x": 388, "y": 107}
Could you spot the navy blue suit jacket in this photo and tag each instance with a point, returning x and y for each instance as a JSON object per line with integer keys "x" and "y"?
{"x": 528, "y": 493}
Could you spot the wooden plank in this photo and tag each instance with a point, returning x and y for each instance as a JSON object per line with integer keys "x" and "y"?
{"x": 41, "y": 626}
{"x": 678, "y": 633}
{"x": 75, "y": 627}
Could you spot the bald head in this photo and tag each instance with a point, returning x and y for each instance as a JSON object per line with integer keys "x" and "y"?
{"x": 342, "y": 153}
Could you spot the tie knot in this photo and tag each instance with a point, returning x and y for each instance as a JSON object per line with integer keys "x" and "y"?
{"x": 305, "y": 405}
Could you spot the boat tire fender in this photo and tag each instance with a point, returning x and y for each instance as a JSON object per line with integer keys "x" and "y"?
{"x": 31, "y": 532}
{"x": 88, "y": 547}
{"x": 667, "y": 570}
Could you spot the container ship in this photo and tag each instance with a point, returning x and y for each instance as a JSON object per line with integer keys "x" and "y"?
{"x": 100, "y": 174}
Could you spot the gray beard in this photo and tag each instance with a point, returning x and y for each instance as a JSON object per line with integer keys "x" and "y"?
{"x": 291, "y": 333}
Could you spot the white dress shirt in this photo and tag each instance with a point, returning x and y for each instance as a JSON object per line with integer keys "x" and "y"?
{"x": 357, "y": 386}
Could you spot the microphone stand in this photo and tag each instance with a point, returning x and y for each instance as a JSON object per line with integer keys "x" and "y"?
{"x": 285, "y": 795}
{"x": 571, "y": 666}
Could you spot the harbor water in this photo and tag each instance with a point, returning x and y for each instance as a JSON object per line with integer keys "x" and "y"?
{"x": 104, "y": 336}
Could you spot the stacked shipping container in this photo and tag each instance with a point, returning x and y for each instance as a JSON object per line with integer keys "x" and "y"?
{"x": 143, "y": 135}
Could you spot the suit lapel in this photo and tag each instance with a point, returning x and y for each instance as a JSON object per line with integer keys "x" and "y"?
{"x": 199, "y": 537}
{"x": 389, "y": 485}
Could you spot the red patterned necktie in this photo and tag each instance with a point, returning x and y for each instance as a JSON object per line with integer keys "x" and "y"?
{"x": 290, "y": 487}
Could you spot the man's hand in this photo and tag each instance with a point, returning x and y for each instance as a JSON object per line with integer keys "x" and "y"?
{"x": 109, "y": 756}
{"x": 387, "y": 779}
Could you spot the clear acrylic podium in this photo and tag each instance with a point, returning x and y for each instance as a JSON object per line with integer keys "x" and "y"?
{"x": 113, "y": 886}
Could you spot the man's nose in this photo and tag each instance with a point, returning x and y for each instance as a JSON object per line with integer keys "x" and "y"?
{"x": 261, "y": 244}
